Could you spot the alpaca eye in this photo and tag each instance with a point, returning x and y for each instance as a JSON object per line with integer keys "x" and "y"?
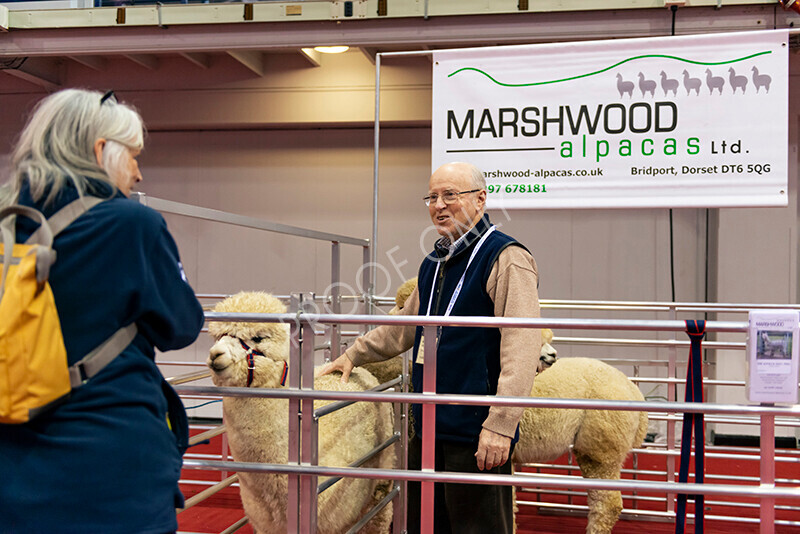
{"x": 257, "y": 339}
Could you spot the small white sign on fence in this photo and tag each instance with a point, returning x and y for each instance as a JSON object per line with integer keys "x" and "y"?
{"x": 772, "y": 356}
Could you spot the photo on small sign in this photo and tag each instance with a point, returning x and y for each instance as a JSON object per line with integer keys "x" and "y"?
{"x": 774, "y": 345}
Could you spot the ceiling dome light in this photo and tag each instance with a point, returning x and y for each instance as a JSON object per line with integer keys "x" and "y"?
{"x": 331, "y": 49}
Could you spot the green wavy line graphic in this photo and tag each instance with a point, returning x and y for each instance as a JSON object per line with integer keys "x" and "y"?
{"x": 609, "y": 68}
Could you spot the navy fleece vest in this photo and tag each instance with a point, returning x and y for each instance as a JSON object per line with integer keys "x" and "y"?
{"x": 468, "y": 359}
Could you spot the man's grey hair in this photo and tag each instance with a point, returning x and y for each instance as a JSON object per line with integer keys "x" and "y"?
{"x": 57, "y": 143}
{"x": 478, "y": 180}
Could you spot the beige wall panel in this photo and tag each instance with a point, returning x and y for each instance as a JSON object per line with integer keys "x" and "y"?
{"x": 317, "y": 179}
{"x": 322, "y": 179}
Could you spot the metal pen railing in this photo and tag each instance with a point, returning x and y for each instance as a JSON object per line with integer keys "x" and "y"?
{"x": 304, "y": 322}
{"x": 672, "y": 420}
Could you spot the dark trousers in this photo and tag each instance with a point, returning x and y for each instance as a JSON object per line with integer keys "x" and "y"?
{"x": 461, "y": 508}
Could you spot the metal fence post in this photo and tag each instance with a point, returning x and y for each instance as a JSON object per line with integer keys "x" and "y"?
{"x": 672, "y": 395}
{"x": 335, "y": 330}
{"x": 309, "y": 439}
{"x": 224, "y": 452}
{"x": 366, "y": 284}
{"x": 428, "y": 429}
{"x": 767, "y": 464}
{"x": 295, "y": 358}
{"x": 402, "y": 420}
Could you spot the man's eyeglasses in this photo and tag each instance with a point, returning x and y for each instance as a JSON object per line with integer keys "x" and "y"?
{"x": 448, "y": 197}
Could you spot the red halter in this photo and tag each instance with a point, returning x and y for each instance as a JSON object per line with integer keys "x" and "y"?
{"x": 251, "y": 364}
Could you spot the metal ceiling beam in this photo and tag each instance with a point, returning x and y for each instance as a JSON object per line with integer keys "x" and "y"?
{"x": 201, "y": 60}
{"x": 369, "y": 53}
{"x": 144, "y": 60}
{"x": 250, "y": 59}
{"x": 439, "y": 32}
{"x": 97, "y": 63}
{"x": 312, "y": 56}
{"x": 43, "y": 72}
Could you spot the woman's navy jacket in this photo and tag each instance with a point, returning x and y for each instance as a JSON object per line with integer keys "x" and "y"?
{"x": 468, "y": 359}
{"x": 106, "y": 460}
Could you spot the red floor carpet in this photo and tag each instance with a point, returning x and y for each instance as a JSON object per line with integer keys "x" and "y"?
{"x": 223, "y": 509}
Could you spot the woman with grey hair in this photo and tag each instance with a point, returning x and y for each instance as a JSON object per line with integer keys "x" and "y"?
{"x": 108, "y": 458}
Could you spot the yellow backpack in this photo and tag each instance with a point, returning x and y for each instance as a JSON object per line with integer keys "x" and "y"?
{"x": 34, "y": 375}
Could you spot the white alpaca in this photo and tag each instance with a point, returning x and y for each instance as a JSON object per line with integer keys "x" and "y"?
{"x": 600, "y": 439}
{"x": 258, "y": 428}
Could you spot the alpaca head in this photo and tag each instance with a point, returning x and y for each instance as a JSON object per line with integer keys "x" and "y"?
{"x": 228, "y": 358}
{"x": 548, "y": 355}
{"x": 403, "y": 292}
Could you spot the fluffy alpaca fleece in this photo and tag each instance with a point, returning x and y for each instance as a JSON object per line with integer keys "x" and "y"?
{"x": 601, "y": 439}
{"x": 258, "y": 428}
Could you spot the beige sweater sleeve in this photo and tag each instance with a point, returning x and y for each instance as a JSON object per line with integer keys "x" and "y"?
{"x": 385, "y": 341}
{"x": 512, "y": 286}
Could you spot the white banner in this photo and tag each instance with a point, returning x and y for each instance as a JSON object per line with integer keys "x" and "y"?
{"x": 698, "y": 121}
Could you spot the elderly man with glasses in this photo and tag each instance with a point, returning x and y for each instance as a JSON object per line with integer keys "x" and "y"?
{"x": 474, "y": 270}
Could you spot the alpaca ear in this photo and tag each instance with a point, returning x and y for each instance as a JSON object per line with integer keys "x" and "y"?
{"x": 547, "y": 335}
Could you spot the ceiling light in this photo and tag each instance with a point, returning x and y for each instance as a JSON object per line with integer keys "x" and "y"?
{"x": 331, "y": 49}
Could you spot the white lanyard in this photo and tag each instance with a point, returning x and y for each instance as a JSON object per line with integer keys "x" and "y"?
{"x": 460, "y": 282}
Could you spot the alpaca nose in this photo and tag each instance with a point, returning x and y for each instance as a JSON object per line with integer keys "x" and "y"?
{"x": 213, "y": 355}
{"x": 547, "y": 357}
